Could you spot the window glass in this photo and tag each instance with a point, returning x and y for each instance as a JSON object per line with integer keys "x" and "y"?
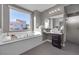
{"x": 19, "y": 21}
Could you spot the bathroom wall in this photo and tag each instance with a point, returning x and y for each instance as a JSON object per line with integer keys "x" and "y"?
{"x": 72, "y": 8}
{"x": 40, "y": 16}
{"x": 37, "y": 20}
{"x": 0, "y": 15}
{"x": 46, "y": 14}
{"x": 5, "y": 18}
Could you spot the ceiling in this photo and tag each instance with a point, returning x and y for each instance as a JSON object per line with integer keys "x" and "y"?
{"x": 39, "y": 7}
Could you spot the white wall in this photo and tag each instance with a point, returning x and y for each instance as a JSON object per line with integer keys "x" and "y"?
{"x": 0, "y": 15}
{"x": 72, "y": 8}
{"x": 37, "y": 20}
{"x": 46, "y": 15}
{"x": 5, "y": 18}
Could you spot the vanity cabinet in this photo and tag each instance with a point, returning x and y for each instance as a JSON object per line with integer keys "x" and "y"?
{"x": 57, "y": 40}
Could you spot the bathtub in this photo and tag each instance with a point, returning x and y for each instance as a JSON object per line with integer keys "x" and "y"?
{"x": 20, "y": 36}
{"x": 20, "y": 45}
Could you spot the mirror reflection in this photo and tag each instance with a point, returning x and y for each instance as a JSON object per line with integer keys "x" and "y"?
{"x": 55, "y": 24}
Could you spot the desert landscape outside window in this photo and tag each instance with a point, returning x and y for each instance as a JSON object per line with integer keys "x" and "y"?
{"x": 19, "y": 21}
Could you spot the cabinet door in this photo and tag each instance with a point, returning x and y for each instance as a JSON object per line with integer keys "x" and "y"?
{"x": 56, "y": 40}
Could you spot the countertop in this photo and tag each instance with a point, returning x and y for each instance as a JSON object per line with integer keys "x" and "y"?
{"x": 53, "y": 32}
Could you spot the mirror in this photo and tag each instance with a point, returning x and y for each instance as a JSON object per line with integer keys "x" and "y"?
{"x": 56, "y": 23}
{"x": 0, "y": 26}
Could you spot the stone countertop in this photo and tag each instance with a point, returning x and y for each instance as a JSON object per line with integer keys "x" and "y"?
{"x": 53, "y": 33}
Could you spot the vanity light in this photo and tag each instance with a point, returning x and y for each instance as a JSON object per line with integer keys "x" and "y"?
{"x": 58, "y": 9}
{"x": 55, "y": 10}
{"x": 50, "y": 12}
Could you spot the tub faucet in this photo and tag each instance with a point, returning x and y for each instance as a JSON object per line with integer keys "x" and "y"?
{"x": 27, "y": 35}
{"x": 7, "y": 34}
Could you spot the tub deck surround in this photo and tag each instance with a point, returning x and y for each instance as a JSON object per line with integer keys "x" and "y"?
{"x": 4, "y": 39}
{"x": 18, "y": 47}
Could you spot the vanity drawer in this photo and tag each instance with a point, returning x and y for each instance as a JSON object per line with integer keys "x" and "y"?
{"x": 56, "y": 37}
{"x": 56, "y": 40}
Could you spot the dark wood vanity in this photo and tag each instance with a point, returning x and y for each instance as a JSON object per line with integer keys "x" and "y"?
{"x": 56, "y": 38}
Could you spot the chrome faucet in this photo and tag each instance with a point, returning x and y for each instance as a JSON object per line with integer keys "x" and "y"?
{"x": 27, "y": 34}
{"x": 7, "y": 34}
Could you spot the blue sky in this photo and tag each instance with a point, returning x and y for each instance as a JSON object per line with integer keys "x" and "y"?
{"x": 14, "y": 14}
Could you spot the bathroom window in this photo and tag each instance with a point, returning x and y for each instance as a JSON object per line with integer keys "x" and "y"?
{"x": 19, "y": 20}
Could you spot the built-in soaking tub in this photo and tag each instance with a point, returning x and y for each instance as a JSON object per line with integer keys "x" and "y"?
{"x": 24, "y": 42}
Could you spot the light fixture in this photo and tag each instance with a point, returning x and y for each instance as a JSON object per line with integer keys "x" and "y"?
{"x": 50, "y": 12}
{"x": 54, "y": 11}
{"x": 58, "y": 9}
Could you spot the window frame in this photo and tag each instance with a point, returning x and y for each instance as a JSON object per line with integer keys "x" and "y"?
{"x": 23, "y": 11}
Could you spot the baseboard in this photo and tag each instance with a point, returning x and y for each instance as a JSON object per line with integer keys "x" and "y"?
{"x": 49, "y": 40}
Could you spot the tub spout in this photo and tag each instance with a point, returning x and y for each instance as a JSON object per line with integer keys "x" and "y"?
{"x": 27, "y": 35}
